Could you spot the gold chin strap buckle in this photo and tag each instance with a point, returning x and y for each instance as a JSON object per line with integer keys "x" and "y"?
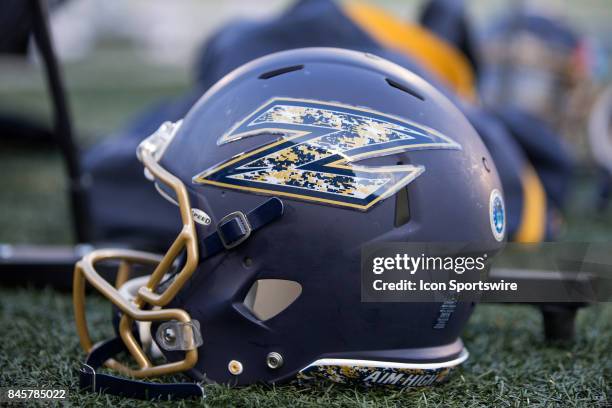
{"x": 149, "y": 152}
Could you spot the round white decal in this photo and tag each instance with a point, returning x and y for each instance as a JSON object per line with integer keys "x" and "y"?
{"x": 497, "y": 215}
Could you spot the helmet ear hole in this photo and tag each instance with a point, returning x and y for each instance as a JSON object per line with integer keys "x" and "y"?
{"x": 269, "y": 297}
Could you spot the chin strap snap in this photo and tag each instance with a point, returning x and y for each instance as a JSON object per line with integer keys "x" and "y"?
{"x": 91, "y": 380}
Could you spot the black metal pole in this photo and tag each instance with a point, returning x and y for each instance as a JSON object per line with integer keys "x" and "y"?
{"x": 62, "y": 121}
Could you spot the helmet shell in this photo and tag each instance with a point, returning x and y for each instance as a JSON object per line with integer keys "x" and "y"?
{"x": 316, "y": 244}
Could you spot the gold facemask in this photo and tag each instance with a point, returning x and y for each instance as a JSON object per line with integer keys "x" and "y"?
{"x": 148, "y": 304}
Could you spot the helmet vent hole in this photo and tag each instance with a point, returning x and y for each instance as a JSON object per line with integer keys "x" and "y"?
{"x": 485, "y": 163}
{"x": 402, "y": 205}
{"x": 404, "y": 88}
{"x": 280, "y": 71}
{"x": 268, "y": 297}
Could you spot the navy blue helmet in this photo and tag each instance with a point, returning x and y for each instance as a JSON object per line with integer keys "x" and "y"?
{"x": 150, "y": 223}
{"x": 282, "y": 172}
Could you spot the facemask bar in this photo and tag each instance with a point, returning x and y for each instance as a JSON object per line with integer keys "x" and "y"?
{"x": 149, "y": 152}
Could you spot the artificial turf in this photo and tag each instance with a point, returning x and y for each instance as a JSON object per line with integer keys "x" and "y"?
{"x": 510, "y": 365}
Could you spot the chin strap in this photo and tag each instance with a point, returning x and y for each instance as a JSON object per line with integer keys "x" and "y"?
{"x": 237, "y": 227}
{"x": 232, "y": 230}
{"x": 91, "y": 380}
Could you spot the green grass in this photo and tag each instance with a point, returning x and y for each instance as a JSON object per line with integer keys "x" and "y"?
{"x": 510, "y": 364}
{"x": 105, "y": 92}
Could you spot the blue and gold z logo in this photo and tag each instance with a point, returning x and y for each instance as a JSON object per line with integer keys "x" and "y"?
{"x": 314, "y": 159}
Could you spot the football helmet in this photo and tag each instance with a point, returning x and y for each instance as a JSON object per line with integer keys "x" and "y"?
{"x": 538, "y": 63}
{"x": 281, "y": 172}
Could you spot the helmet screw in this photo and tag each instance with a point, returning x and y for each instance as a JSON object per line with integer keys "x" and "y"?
{"x": 169, "y": 335}
{"x": 274, "y": 360}
{"x": 235, "y": 367}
